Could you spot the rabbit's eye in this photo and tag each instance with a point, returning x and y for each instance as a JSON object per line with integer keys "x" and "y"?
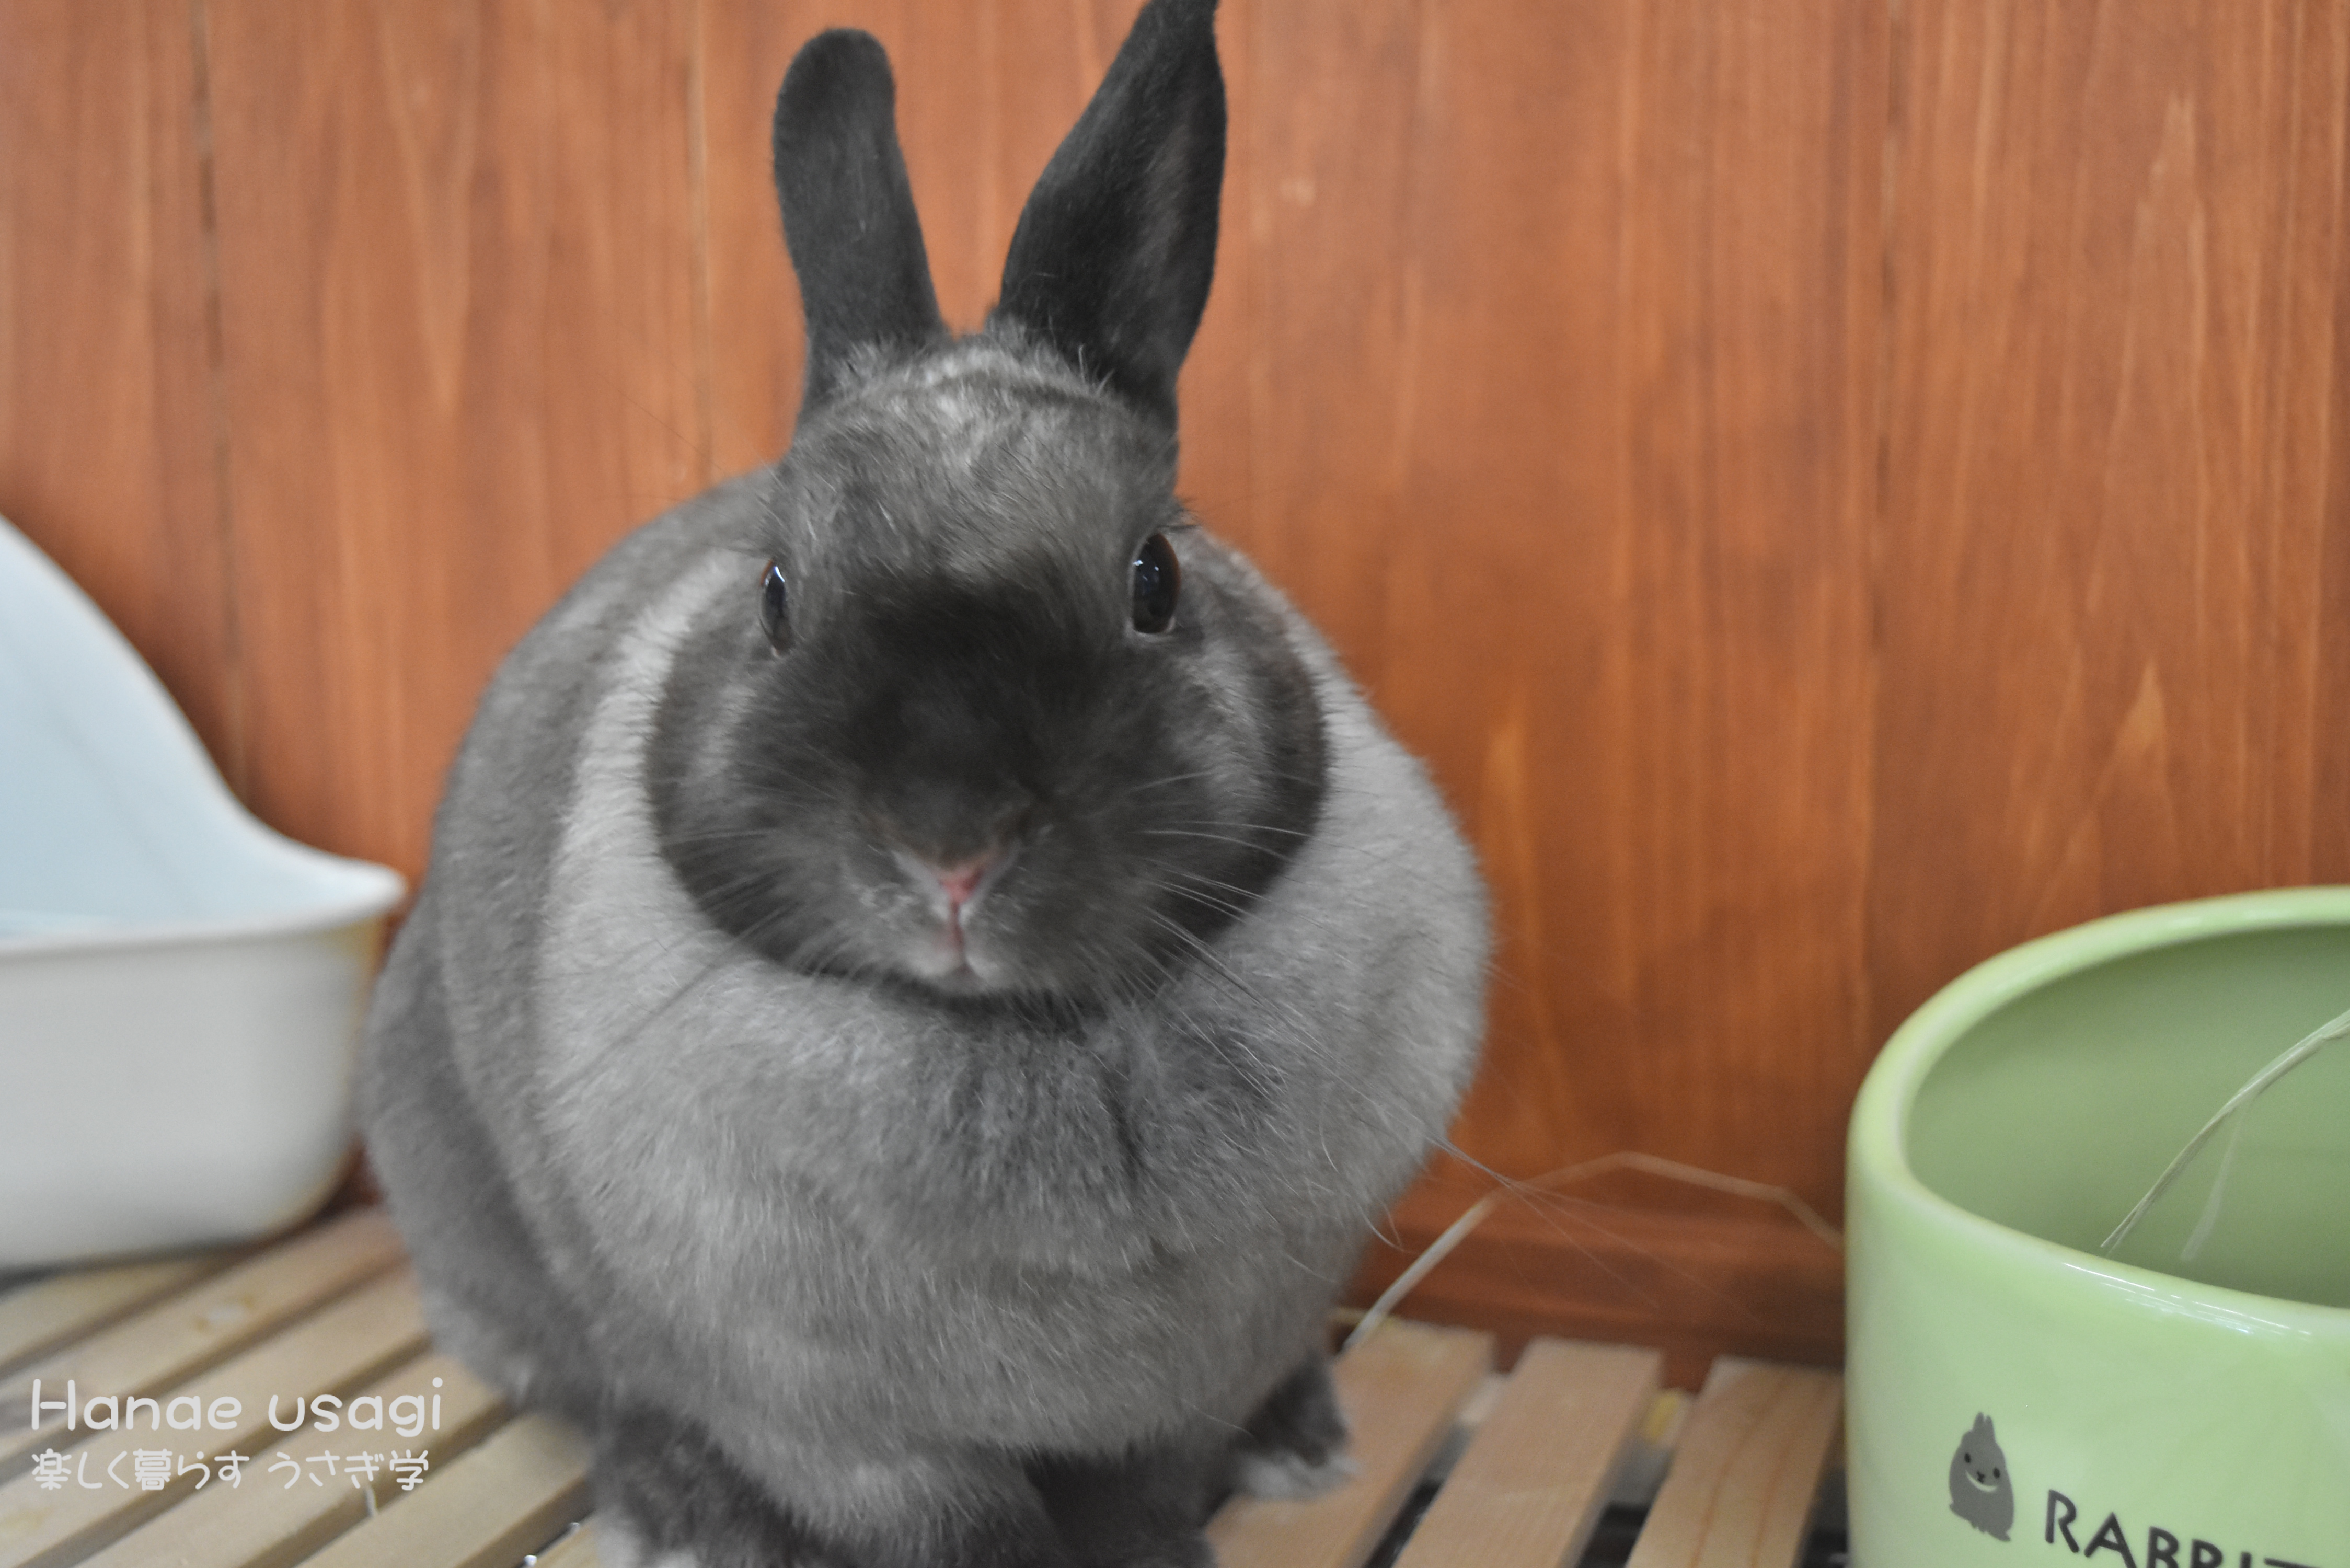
{"x": 1157, "y": 580}
{"x": 775, "y": 605}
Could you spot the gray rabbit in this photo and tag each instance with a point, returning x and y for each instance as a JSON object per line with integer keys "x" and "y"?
{"x": 929, "y": 970}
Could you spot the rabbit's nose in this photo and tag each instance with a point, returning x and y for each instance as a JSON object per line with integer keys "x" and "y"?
{"x": 946, "y": 825}
{"x": 960, "y": 883}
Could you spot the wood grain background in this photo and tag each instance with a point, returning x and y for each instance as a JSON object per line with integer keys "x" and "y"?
{"x": 1833, "y": 488}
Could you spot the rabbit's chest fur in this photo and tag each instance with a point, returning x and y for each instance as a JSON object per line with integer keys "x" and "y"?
{"x": 853, "y": 1204}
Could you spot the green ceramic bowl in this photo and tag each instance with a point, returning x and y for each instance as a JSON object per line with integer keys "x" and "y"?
{"x": 2014, "y": 1395}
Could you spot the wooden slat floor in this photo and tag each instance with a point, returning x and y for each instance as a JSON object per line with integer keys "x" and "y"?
{"x": 194, "y": 1350}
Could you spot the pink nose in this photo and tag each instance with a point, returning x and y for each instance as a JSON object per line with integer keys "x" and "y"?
{"x": 960, "y": 882}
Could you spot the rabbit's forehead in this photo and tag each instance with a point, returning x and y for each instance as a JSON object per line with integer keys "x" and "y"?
{"x": 964, "y": 474}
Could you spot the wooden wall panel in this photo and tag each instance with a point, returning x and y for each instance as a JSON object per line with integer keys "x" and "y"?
{"x": 1834, "y": 489}
{"x": 2108, "y": 675}
{"x": 1566, "y": 338}
{"x": 108, "y": 433}
{"x": 457, "y": 282}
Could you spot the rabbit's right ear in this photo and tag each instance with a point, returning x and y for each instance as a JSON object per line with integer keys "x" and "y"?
{"x": 848, "y": 212}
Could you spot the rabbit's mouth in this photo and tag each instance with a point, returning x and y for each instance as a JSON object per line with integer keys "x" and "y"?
{"x": 945, "y": 959}
{"x": 951, "y": 891}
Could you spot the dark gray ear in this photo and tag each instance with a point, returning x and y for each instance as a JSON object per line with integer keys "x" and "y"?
{"x": 1111, "y": 261}
{"x": 848, "y": 212}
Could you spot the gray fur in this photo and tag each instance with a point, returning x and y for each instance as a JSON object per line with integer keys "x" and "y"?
{"x": 881, "y": 1266}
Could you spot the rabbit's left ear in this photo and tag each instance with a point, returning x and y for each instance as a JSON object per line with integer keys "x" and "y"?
{"x": 1111, "y": 261}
